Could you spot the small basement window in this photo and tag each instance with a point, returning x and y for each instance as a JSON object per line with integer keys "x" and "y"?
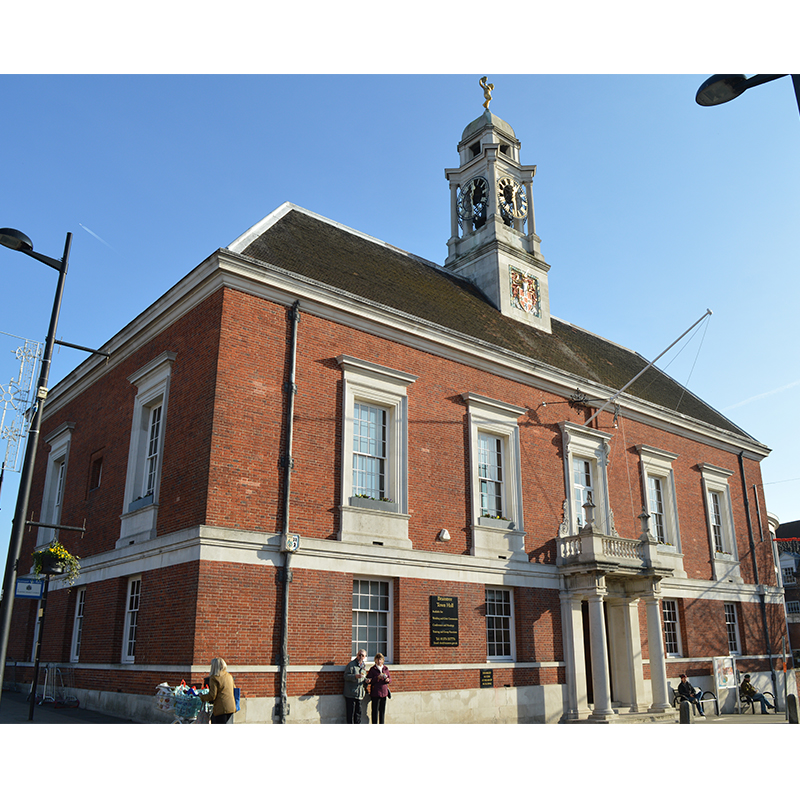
{"x": 95, "y": 473}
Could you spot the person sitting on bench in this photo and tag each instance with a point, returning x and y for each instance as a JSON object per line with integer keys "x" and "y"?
{"x": 688, "y": 692}
{"x": 748, "y": 690}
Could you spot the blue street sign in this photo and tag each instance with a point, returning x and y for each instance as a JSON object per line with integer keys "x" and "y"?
{"x": 32, "y": 588}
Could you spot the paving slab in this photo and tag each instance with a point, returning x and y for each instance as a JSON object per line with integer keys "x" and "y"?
{"x": 15, "y": 710}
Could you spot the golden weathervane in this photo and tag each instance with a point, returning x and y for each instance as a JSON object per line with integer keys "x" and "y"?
{"x": 488, "y": 88}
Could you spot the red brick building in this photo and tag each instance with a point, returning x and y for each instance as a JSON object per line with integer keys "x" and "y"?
{"x": 417, "y": 448}
{"x": 787, "y": 540}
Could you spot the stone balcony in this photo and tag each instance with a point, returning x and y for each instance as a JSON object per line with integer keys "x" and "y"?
{"x": 593, "y": 551}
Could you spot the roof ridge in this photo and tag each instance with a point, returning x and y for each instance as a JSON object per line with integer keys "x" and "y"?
{"x": 252, "y": 233}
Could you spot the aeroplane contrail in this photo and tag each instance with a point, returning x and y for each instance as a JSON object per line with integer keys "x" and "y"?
{"x": 96, "y": 236}
{"x": 762, "y": 395}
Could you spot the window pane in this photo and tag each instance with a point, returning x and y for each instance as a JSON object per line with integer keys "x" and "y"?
{"x": 59, "y": 491}
{"x": 151, "y": 464}
{"x": 732, "y": 627}
{"x": 78, "y": 624}
{"x": 716, "y": 520}
{"x": 498, "y": 623}
{"x": 582, "y": 487}
{"x": 490, "y": 474}
{"x": 369, "y": 450}
{"x": 370, "y": 617}
{"x": 132, "y": 617}
{"x": 656, "y": 507}
{"x": 671, "y": 638}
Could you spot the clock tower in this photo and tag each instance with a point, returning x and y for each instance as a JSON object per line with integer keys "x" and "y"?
{"x": 493, "y": 241}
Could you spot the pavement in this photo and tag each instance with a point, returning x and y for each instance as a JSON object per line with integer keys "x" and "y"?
{"x": 773, "y": 718}
{"x": 15, "y": 710}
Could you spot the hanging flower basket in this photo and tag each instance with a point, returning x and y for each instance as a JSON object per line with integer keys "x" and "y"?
{"x": 55, "y": 560}
{"x": 50, "y": 565}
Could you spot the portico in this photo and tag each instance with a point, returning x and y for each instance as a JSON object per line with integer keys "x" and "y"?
{"x": 604, "y": 580}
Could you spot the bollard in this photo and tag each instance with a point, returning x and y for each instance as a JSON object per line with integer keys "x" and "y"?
{"x": 791, "y": 707}
{"x": 686, "y": 712}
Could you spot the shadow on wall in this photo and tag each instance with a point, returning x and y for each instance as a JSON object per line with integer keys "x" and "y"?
{"x": 324, "y": 702}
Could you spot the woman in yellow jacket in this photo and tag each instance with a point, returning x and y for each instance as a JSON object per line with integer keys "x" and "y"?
{"x": 220, "y": 693}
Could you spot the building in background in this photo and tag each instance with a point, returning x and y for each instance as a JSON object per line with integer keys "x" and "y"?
{"x": 316, "y": 442}
{"x": 787, "y": 540}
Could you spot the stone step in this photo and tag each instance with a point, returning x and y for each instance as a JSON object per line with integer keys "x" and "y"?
{"x": 631, "y": 718}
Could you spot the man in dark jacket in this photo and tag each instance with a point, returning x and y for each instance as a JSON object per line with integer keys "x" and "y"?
{"x": 355, "y": 677}
{"x": 688, "y": 692}
{"x": 748, "y": 690}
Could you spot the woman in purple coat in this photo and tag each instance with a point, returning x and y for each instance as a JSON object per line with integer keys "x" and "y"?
{"x": 379, "y": 680}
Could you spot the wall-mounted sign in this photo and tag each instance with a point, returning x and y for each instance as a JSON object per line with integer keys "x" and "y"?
{"x": 444, "y": 621}
{"x": 291, "y": 543}
{"x": 32, "y": 588}
{"x": 487, "y": 678}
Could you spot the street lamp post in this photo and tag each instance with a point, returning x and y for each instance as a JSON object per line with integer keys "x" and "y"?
{"x": 712, "y": 92}
{"x": 15, "y": 240}
{"x": 723, "y": 88}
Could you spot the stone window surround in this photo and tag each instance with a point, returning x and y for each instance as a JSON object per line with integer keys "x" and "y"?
{"x": 512, "y": 637}
{"x": 376, "y": 522}
{"x": 59, "y": 441}
{"x": 677, "y": 622}
{"x": 732, "y": 627}
{"x": 152, "y": 382}
{"x": 658, "y": 463}
{"x": 593, "y": 446}
{"x": 499, "y": 419}
{"x": 725, "y": 564}
{"x": 496, "y": 538}
{"x": 388, "y": 652}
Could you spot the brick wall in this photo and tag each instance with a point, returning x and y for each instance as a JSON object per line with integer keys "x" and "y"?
{"x": 224, "y": 436}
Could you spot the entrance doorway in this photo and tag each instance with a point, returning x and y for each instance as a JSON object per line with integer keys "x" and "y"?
{"x": 587, "y": 651}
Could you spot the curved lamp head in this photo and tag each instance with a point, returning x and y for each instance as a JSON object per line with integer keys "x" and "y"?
{"x": 720, "y": 89}
{"x": 14, "y": 239}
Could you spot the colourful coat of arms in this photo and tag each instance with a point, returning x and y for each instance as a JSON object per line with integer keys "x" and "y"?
{"x": 524, "y": 292}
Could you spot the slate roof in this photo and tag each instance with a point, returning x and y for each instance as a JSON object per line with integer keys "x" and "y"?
{"x": 788, "y": 530}
{"x": 309, "y": 246}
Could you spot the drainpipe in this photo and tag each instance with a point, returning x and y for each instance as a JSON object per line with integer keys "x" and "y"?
{"x": 761, "y": 589}
{"x": 288, "y": 463}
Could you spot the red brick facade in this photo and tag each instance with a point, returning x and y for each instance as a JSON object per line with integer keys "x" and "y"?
{"x": 224, "y": 435}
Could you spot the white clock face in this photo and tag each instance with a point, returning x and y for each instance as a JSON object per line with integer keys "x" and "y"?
{"x": 511, "y": 199}
{"x": 472, "y": 204}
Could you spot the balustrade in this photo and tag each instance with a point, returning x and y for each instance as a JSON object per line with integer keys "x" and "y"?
{"x": 588, "y": 546}
{"x": 622, "y": 548}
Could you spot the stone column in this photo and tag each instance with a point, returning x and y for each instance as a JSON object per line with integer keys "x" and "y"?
{"x": 453, "y": 211}
{"x": 491, "y": 178}
{"x": 600, "y": 677}
{"x": 531, "y": 217}
{"x": 658, "y": 667}
{"x": 633, "y": 641}
{"x": 574, "y": 657}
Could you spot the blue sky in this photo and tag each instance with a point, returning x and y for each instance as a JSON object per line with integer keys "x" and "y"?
{"x": 651, "y": 209}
